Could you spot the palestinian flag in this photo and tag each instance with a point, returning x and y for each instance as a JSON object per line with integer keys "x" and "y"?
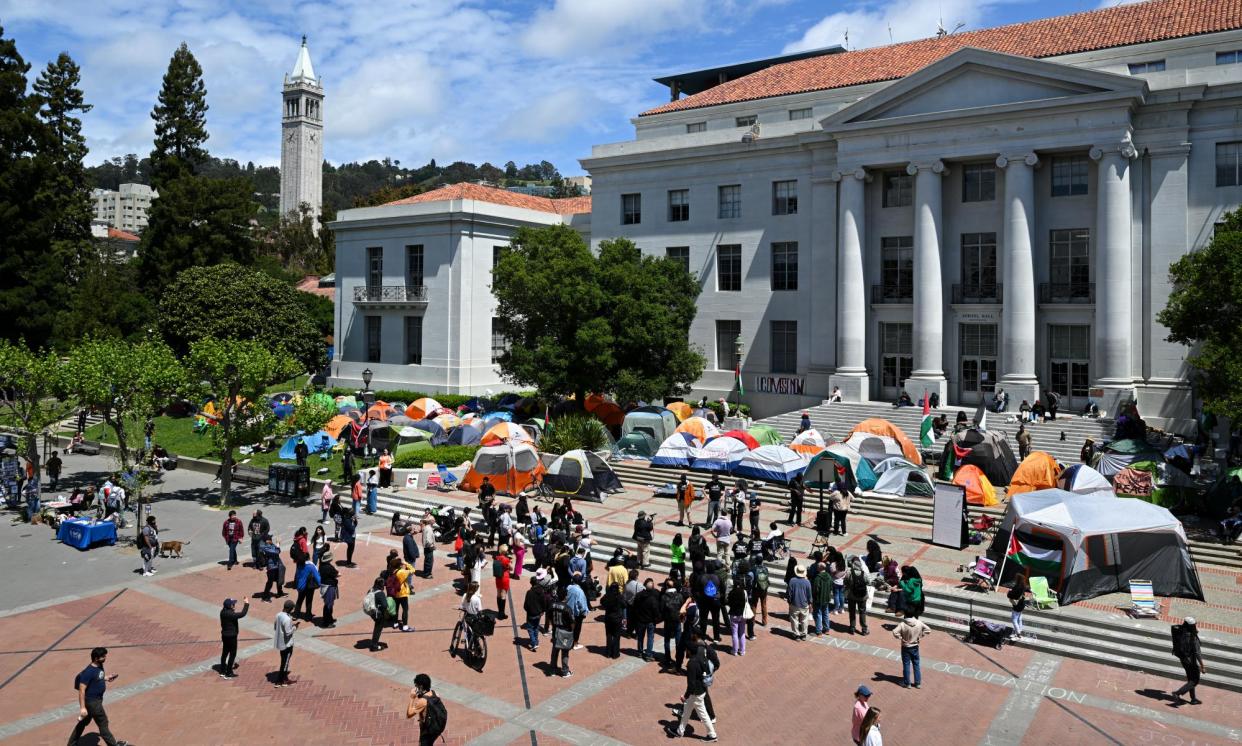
{"x": 925, "y": 430}
{"x": 1041, "y": 554}
{"x": 737, "y": 372}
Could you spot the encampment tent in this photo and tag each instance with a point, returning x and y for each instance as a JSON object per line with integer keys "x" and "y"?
{"x": 1083, "y": 480}
{"x": 986, "y": 449}
{"x": 857, "y": 470}
{"x": 657, "y": 422}
{"x": 808, "y": 442}
{"x": 505, "y": 432}
{"x": 510, "y": 467}
{"x": 701, "y": 429}
{"x": 637, "y": 445}
{"x": 771, "y": 464}
{"x": 677, "y": 449}
{"x": 979, "y": 491}
{"x": 421, "y": 409}
{"x": 904, "y": 480}
{"x": 582, "y": 474}
{"x": 766, "y": 435}
{"x": 1119, "y": 454}
{"x": 1089, "y": 545}
{"x": 681, "y": 409}
{"x": 877, "y": 439}
{"x": 720, "y": 454}
{"x": 435, "y": 433}
{"x": 1038, "y": 471}
{"x": 743, "y": 436}
{"x": 466, "y": 435}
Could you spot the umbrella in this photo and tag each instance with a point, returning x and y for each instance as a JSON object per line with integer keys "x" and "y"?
{"x": 282, "y": 399}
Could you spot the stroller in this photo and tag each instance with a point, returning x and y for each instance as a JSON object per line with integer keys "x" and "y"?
{"x": 981, "y": 632}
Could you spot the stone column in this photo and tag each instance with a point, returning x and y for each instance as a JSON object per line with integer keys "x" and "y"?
{"x": 1114, "y": 288}
{"x": 928, "y": 373}
{"x": 1018, "y": 376}
{"x": 821, "y": 306}
{"x": 851, "y": 375}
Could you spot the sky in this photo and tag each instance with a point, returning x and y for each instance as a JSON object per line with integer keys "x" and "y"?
{"x": 521, "y": 80}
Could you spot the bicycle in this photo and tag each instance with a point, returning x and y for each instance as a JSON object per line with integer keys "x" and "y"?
{"x": 475, "y": 643}
{"x": 540, "y": 492}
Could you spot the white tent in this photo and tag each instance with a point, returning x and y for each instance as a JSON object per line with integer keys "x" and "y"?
{"x": 903, "y": 481}
{"x": 1083, "y": 480}
{"x": 772, "y": 464}
{"x": 678, "y": 449}
{"x": 875, "y": 448}
{"x": 1089, "y": 545}
{"x": 894, "y": 462}
{"x": 720, "y": 454}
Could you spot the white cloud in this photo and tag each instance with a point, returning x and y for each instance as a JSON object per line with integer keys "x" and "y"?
{"x": 877, "y": 25}
{"x": 587, "y": 27}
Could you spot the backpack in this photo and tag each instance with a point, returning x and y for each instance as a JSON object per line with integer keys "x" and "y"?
{"x": 761, "y": 578}
{"x": 670, "y": 604}
{"x": 1183, "y": 643}
{"x": 709, "y": 673}
{"x": 392, "y": 584}
{"x": 391, "y": 608}
{"x": 369, "y": 604}
{"x": 436, "y": 720}
{"x": 858, "y": 584}
{"x": 498, "y": 568}
{"x": 709, "y": 589}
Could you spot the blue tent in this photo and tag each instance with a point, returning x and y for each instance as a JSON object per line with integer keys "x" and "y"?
{"x": 679, "y": 449}
{"x": 508, "y": 401}
{"x": 282, "y": 410}
{"x": 496, "y": 416}
{"x": 320, "y": 441}
{"x": 465, "y": 435}
{"x": 432, "y": 428}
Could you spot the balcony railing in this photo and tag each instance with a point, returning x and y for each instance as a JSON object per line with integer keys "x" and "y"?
{"x": 395, "y": 294}
{"x": 991, "y": 293}
{"x": 892, "y": 293}
{"x": 1067, "y": 292}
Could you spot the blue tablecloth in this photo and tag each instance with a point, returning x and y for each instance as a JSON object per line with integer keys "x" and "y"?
{"x": 82, "y": 533}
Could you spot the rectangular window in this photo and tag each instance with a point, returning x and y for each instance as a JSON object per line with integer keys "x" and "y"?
{"x": 784, "y": 265}
{"x": 978, "y": 266}
{"x": 897, "y": 268}
{"x": 679, "y": 254}
{"x": 729, "y": 267}
{"x": 1151, "y": 66}
{"x": 898, "y": 189}
{"x": 784, "y": 347}
{"x": 413, "y": 340}
{"x": 745, "y": 121}
{"x": 727, "y": 333}
{"x": 631, "y": 209}
{"x": 374, "y": 326}
{"x": 497, "y": 251}
{"x": 1069, "y": 256}
{"x": 784, "y": 198}
{"x": 375, "y": 266}
{"x": 499, "y": 345}
{"x": 1228, "y": 164}
{"x": 730, "y": 201}
{"x": 796, "y": 114}
{"x": 678, "y": 205}
{"x": 896, "y": 354}
{"x": 978, "y": 182}
{"x": 693, "y": 127}
{"x": 978, "y": 340}
{"x": 1069, "y": 353}
{"x": 1069, "y": 176}
{"x": 1232, "y": 57}
{"x": 414, "y": 266}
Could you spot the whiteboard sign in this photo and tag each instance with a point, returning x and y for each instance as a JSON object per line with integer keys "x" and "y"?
{"x": 947, "y": 515}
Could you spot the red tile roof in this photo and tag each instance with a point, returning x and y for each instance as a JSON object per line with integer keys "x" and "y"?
{"x": 570, "y": 206}
{"x": 310, "y": 284}
{"x": 122, "y": 235}
{"x": 1081, "y": 32}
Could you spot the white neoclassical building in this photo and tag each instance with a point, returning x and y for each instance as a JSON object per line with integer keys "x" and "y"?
{"x": 996, "y": 207}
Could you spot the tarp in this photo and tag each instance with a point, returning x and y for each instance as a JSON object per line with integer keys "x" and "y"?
{"x": 581, "y": 474}
{"x": 657, "y": 422}
{"x": 771, "y": 464}
{"x": 637, "y": 444}
{"x": 677, "y": 449}
{"x": 979, "y": 491}
{"x": 1038, "y": 471}
{"x": 720, "y": 454}
{"x": 1089, "y": 545}
{"x": 904, "y": 480}
{"x": 986, "y": 449}
{"x": 808, "y": 442}
{"x": 886, "y": 429}
{"x": 681, "y": 409}
{"x": 1083, "y": 480}
{"x": 320, "y": 441}
{"x": 766, "y": 435}
{"x": 700, "y": 428}
{"x": 857, "y": 470}
{"x": 421, "y": 409}
{"x": 743, "y": 436}
{"x": 510, "y": 468}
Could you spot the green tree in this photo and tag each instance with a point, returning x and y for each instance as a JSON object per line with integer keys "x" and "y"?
{"x": 228, "y": 301}
{"x": 195, "y": 222}
{"x": 126, "y": 382}
{"x": 238, "y": 372}
{"x": 1203, "y": 312}
{"x": 180, "y": 120}
{"x": 299, "y": 243}
{"x": 311, "y": 414}
{"x": 124, "y": 311}
{"x": 32, "y": 390}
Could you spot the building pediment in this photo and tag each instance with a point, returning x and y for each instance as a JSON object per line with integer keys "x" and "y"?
{"x": 977, "y": 80}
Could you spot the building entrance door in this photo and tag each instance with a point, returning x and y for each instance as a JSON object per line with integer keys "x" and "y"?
{"x": 1069, "y": 368}
{"x": 978, "y": 349}
{"x": 896, "y": 359}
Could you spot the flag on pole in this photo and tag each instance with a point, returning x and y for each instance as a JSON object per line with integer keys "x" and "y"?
{"x": 737, "y": 372}
{"x": 1036, "y": 553}
{"x": 925, "y": 430}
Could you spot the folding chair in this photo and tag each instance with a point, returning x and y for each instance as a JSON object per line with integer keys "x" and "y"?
{"x": 447, "y": 480}
{"x": 1143, "y": 600}
{"x": 1044, "y": 597}
{"x": 984, "y": 572}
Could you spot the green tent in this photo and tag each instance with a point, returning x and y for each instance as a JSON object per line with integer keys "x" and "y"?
{"x": 322, "y": 398}
{"x": 408, "y": 448}
{"x": 766, "y": 435}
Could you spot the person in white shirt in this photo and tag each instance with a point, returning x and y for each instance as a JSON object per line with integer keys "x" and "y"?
{"x": 870, "y": 729}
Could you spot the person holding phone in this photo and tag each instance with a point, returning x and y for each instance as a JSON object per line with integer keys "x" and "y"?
{"x": 91, "y": 684}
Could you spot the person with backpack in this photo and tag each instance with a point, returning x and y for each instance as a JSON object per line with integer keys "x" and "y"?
{"x": 1190, "y": 654}
{"x": 329, "y": 578}
{"x": 307, "y": 581}
{"x": 759, "y": 597}
{"x": 501, "y": 565}
{"x": 696, "y": 547}
{"x": 427, "y": 706}
{"x": 644, "y": 529}
{"x": 857, "y": 583}
{"x": 375, "y": 605}
{"x": 685, "y": 498}
{"x": 397, "y": 587}
{"x": 671, "y": 600}
{"x": 710, "y": 593}
{"x": 535, "y": 604}
{"x": 562, "y": 621}
{"x": 270, "y": 551}
{"x": 821, "y": 599}
{"x": 700, "y": 676}
{"x": 715, "y": 493}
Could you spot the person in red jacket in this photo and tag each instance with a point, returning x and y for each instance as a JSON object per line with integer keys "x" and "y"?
{"x": 233, "y": 532}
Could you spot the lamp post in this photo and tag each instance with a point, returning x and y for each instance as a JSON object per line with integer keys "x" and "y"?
{"x": 366, "y": 387}
{"x": 738, "y": 350}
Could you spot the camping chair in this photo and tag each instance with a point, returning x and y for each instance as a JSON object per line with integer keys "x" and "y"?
{"x": 984, "y": 524}
{"x": 983, "y": 572}
{"x": 447, "y": 480}
{"x": 1143, "y": 600}
{"x": 1043, "y": 596}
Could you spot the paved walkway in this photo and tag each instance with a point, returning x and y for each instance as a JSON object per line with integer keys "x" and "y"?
{"x": 162, "y": 633}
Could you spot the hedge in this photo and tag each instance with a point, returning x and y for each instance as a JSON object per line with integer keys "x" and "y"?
{"x": 448, "y": 455}
{"x": 452, "y": 401}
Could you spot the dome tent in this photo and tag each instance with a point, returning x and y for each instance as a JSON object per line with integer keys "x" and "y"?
{"x": 1083, "y": 480}
{"x": 465, "y": 435}
{"x": 701, "y": 429}
{"x": 720, "y": 454}
{"x": 808, "y": 442}
{"x": 979, "y": 491}
{"x": 858, "y": 472}
{"x": 877, "y": 439}
{"x": 637, "y": 444}
{"x": 771, "y": 464}
{"x": 580, "y": 474}
{"x": 986, "y": 449}
{"x": 904, "y": 481}
{"x": 677, "y": 449}
{"x": 509, "y": 467}
{"x": 657, "y": 422}
{"x": 766, "y": 435}
{"x": 1038, "y": 471}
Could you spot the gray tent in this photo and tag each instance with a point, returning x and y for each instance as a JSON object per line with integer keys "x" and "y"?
{"x": 904, "y": 482}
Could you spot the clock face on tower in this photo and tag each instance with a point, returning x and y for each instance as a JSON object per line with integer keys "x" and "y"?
{"x": 312, "y": 137}
{"x": 291, "y": 136}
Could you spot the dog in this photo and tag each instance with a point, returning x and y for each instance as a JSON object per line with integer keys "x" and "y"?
{"x": 173, "y": 547}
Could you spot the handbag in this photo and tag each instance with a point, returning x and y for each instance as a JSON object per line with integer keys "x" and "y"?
{"x": 747, "y": 612}
{"x": 562, "y": 639}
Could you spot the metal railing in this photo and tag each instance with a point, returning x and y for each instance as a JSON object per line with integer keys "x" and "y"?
{"x": 892, "y": 293}
{"x": 979, "y": 293}
{"x": 1067, "y": 292}
{"x": 390, "y": 294}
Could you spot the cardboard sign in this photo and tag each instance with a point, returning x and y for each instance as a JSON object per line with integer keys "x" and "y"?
{"x": 411, "y": 482}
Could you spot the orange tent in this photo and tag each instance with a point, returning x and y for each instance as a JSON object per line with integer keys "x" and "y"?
{"x": 1038, "y": 471}
{"x": 699, "y": 428}
{"x": 886, "y": 429}
{"x": 979, "y": 491}
{"x": 593, "y": 401}
{"x": 381, "y": 411}
{"x": 337, "y": 424}
{"x": 505, "y": 432}
{"x": 509, "y": 468}
{"x": 681, "y": 409}
{"x": 422, "y": 409}
{"x": 808, "y": 442}
{"x": 608, "y": 413}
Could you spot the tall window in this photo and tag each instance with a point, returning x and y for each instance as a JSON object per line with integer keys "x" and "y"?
{"x": 1228, "y": 164}
{"x": 784, "y": 265}
{"x": 679, "y": 254}
{"x": 745, "y": 121}
{"x": 896, "y": 354}
{"x": 1069, "y": 176}
{"x": 413, "y": 340}
{"x": 678, "y": 205}
{"x": 631, "y": 209}
{"x": 374, "y": 327}
{"x": 796, "y": 114}
{"x": 375, "y": 266}
{"x": 978, "y": 182}
{"x": 729, "y": 267}
{"x": 784, "y": 198}
{"x": 499, "y": 344}
{"x": 1151, "y": 66}
{"x": 730, "y": 200}
{"x": 898, "y": 189}
{"x": 414, "y": 266}
{"x": 784, "y": 347}
{"x": 727, "y": 333}
{"x": 1069, "y": 354}
{"x": 693, "y": 127}
{"x": 979, "y": 265}
{"x": 497, "y": 252}
{"x": 1069, "y": 256}
{"x": 897, "y": 268}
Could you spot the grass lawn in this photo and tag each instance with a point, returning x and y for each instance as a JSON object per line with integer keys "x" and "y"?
{"x": 293, "y": 384}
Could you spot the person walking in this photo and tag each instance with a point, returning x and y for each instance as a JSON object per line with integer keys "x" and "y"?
{"x": 535, "y": 604}
{"x": 1190, "y": 654}
{"x": 700, "y": 675}
{"x": 857, "y": 584}
{"x": 1017, "y": 602}
{"x": 150, "y": 545}
{"x": 821, "y": 599}
{"x": 397, "y": 587}
{"x": 644, "y": 529}
{"x": 300, "y": 451}
{"x": 862, "y": 696}
{"x": 270, "y": 551}
{"x": 685, "y": 499}
{"x": 282, "y": 637}
{"x": 562, "y": 621}
{"x": 329, "y": 577}
{"x": 517, "y": 544}
{"x": 232, "y": 531}
{"x": 644, "y": 614}
{"x": 1024, "y": 442}
{"x": 715, "y": 493}
{"x": 349, "y": 530}
{"x": 91, "y": 684}
{"x": 869, "y": 730}
{"x": 357, "y": 493}
{"x": 691, "y": 620}
{"x": 258, "y": 528}
{"x": 798, "y": 593}
{"x": 375, "y": 605}
{"x": 797, "y": 493}
{"x": 228, "y": 636}
{"x": 501, "y": 567}
{"x": 426, "y": 705}
{"x": 53, "y": 467}
{"x": 910, "y": 631}
{"x": 326, "y": 496}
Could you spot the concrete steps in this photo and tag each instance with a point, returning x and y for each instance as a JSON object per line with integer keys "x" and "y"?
{"x": 1116, "y": 641}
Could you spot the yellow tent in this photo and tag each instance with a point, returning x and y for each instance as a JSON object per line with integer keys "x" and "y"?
{"x": 979, "y": 491}
{"x": 1038, "y": 471}
{"x": 681, "y": 409}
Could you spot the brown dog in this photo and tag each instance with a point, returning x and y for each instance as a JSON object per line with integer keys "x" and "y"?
{"x": 173, "y": 547}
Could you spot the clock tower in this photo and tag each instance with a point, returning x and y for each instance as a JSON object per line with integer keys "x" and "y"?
{"x": 301, "y": 143}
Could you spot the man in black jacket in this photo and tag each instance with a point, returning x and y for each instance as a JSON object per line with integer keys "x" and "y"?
{"x": 535, "y": 604}
{"x": 644, "y": 614}
{"x": 1189, "y": 653}
{"x": 643, "y": 532}
{"x": 228, "y": 636}
{"x": 700, "y": 675}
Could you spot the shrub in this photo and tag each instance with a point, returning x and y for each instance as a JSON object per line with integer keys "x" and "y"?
{"x": 716, "y": 407}
{"x": 575, "y": 431}
{"x": 447, "y": 455}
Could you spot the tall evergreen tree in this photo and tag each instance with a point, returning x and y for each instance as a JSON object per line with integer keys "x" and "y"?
{"x": 180, "y": 120}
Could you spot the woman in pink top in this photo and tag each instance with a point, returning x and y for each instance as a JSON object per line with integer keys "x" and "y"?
{"x": 325, "y": 499}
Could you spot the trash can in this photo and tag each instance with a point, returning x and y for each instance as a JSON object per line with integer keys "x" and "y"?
{"x": 288, "y": 480}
